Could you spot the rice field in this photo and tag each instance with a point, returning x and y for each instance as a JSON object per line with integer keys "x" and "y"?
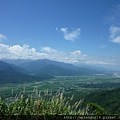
{"x": 67, "y": 84}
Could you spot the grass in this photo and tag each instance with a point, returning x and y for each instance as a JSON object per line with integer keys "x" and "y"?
{"x": 34, "y": 99}
{"x": 67, "y": 84}
{"x": 47, "y": 104}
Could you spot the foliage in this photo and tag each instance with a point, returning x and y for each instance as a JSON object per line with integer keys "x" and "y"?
{"x": 48, "y": 104}
{"x": 104, "y": 85}
{"x": 96, "y": 109}
{"x": 108, "y": 99}
{"x": 16, "y": 77}
{"x": 52, "y": 105}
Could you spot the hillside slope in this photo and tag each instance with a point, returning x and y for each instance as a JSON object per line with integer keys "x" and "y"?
{"x": 57, "y": 71}
{"x": 109, "y": 100}
{"x": 11, "y": 67}
{"x": 10, "y": 73}
{"x": 55, "y": 68}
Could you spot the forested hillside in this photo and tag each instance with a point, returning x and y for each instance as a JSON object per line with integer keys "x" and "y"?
{"x": 56, "y": 68}
{"x": 16, "y": 77}
{"x": 109, "y": 100}
{"x": 10, "y": 73}
{"x": 11, "y": 67}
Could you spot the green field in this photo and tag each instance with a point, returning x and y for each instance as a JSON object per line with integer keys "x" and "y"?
{"x": 80, "y": 86}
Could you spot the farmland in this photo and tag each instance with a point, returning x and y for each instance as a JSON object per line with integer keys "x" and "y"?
{"x": 80, "y": 86}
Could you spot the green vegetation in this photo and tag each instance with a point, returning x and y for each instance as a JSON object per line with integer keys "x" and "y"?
{"x": 67, "y": 84}
{"x": 96, "y": 109}
{"x": 37, "y": 94}
{"x": 56, "y": 68}
{"x": 90, "y": 92}
{"x": 108, "y": 99}
{"x": 15, "y": 77}
{"x": 45, "y": 105}
{"x": 11, "y": 67}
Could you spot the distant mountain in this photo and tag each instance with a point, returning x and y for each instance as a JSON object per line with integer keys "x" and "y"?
{"x": 10, "y": 73}
{"x": 55, "y": 68}
{"x": 46, "y": 67}
{"x": 15, "y": 77}
{"x": 11, "y": 67}
{"x": 38, "y": 64}
{"x": 16, "y": 61}
{"x": 96, "y": 67}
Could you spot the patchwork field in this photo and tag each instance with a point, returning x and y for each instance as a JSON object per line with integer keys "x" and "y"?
{"x": 80, "y": 86}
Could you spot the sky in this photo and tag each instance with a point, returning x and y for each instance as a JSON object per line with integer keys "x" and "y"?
{"x": 71, "y": 31}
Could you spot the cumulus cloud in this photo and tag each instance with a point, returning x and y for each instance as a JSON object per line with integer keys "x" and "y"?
{"x": 71, "y": 57}
{"x": 117, "y": 40}
{"x": 73, "y": 35}
{"x": 19, "y": 52}
{"x": 2, "y": 37}
{"x": 77, "y": 52}
{"x": 25, "y": 52}
{"x": 48, "y": 49}
{"x": 115, "y": 34}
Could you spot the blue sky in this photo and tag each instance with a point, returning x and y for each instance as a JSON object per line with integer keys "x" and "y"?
{"x": 71, "y": 31}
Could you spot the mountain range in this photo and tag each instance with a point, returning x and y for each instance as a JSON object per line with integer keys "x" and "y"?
{"x": 10, "y": 73}
{"x": 55, "y": 68}
{"x": 38, "y": 69}
{"x": 11, "y": 67}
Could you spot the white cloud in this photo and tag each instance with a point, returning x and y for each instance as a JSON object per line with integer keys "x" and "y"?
{"x": 2, "y": 37}
{"x": 48, "y": 49}
{"x": 114, "y": 19}
{"x": 19, "y": 52}
{"x": 113, "y": 16}
{"x": 77, "y": 52}
{"x": 25, "y": 52}
{"x": 115, "y": 34}
{"x": 117, "y": 40}
{"x": 99, "y": 62}
{"x": 64, "y": 30}
{"x": 61, "y": 56}
{"x": 114, "y": 31}
{"x": 74, "y": 34}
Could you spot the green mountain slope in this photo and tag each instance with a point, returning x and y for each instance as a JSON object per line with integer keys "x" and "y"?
{"x": 55, "y": 68}
{"x": 15, "y": 77}
{"x": 109, "y": 100}
{"x": 10, "y": 73}
{"x": 11, "y": 67}
{"x": 56, "y": 71}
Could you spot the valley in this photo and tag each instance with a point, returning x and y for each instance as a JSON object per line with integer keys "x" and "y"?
{"x": 69, "y": 85}
{"x": 44, "y": 77}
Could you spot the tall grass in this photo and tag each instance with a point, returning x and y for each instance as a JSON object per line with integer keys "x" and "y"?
{"x": 44, "y": 104}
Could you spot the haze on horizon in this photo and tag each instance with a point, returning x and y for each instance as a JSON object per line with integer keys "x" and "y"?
{"x": 71, "y": 31}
